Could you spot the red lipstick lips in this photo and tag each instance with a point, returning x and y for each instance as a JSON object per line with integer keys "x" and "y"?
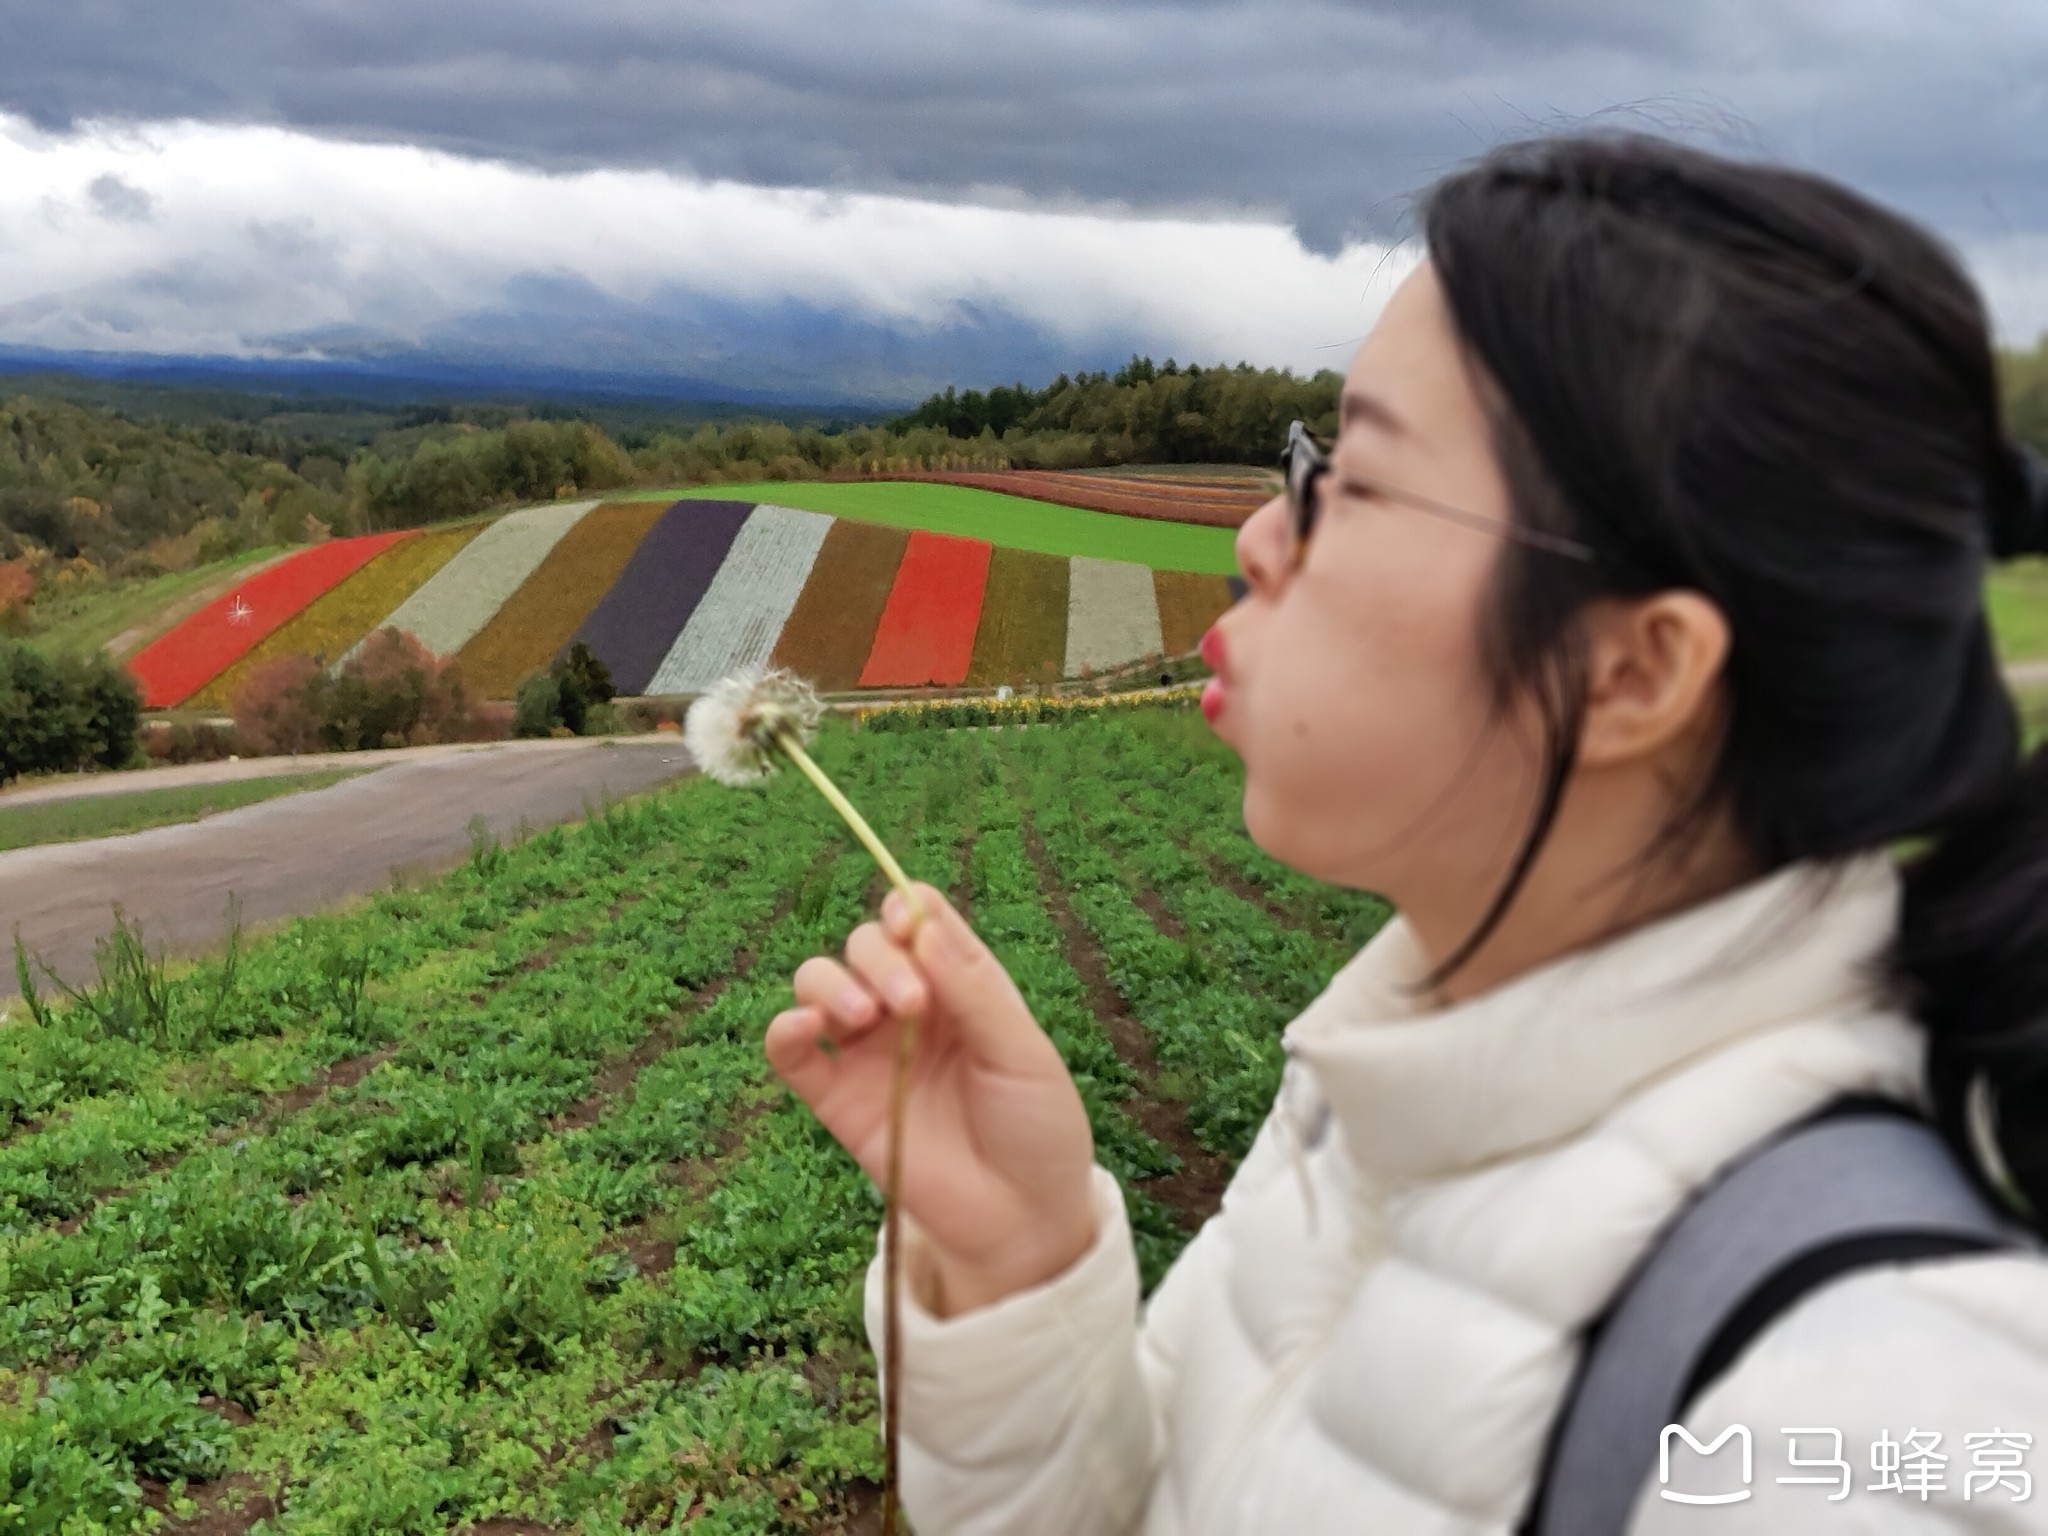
{"x": 1215, "y": 692}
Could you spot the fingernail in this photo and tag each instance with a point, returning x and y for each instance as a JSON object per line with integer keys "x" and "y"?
{"x": 904, "y": 994}
{"x": 855, "y": 1006}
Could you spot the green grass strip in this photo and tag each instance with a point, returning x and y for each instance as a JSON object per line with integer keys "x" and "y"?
{"x": 2016, "y": 599}
{"x": 77, "y": 624}
{"x": 1012, "y": 522}
{"x": 70, "y": 821}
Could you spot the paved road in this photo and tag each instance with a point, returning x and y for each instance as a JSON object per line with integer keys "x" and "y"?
{"x": 302, "y": 852}
{"x": 82, "y": 786}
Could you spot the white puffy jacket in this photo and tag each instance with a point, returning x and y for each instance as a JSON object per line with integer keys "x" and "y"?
{"x": 1376, "y": 1330}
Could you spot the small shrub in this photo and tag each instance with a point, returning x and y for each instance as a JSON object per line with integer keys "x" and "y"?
{"x": 585, "y": 671}
{"x": 64, "y": 715}
{"x": 537, "y": 709}
{"x": 394, "y": 692}
{"x": 275, "y": 709}
{"x": 572, "y": 698}
{"x": 644, "y": 715}
{"x": 182, "y": 743}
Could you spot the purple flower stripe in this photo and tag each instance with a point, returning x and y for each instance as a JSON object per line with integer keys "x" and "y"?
{"x": 636, "y": 622}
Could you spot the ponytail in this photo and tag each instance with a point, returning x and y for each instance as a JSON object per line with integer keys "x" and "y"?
{"x": 1971, "y": 956}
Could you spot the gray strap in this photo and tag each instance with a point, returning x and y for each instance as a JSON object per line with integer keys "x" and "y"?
{"x": 1829, "y": 1182}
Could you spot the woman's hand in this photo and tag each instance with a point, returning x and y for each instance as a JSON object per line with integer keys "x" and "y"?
{"x": 997, "y": 1150}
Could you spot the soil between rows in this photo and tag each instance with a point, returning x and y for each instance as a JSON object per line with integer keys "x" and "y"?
{"x": 1195, "y": 1190}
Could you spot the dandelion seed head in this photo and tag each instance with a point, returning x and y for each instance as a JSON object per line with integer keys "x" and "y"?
{"x": 732, "y": 729}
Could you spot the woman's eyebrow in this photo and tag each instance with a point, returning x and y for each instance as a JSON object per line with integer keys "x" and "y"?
{"x": 1359, "y": 407}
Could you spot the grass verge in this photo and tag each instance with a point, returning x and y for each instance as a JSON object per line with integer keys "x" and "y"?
{"x": 70, "y": 821}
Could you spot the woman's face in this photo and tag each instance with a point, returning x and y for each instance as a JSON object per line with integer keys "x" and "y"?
{"x": 1352, "y": 687}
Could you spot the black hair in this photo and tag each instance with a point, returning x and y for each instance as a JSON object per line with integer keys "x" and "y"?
{"x": 1751, "y": 382}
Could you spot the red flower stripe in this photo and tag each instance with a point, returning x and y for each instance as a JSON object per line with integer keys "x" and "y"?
{"x": 927, "y": 629}
{"x": 178, "y": 664}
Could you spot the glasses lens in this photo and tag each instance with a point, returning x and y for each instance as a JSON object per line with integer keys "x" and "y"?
{"x": 1301, "y": 487}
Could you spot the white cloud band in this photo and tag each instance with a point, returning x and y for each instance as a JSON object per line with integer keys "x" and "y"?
{"x": 253, "y": 241}
{"x": 201, "y": 239}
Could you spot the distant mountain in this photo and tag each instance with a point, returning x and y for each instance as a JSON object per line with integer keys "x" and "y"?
{"x": 561, "y": 340}
{"x": 394, "y": 381}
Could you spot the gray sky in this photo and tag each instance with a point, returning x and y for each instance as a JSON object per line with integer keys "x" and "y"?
{"x": 1318, "y": 117}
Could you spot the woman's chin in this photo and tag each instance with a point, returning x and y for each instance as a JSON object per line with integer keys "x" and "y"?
{"x": 1301, "y": 845}
{"x": 1268, "y": 825}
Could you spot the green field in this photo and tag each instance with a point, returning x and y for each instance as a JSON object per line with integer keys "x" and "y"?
{"x": 477, "y": 1203}
{"x": 69, "y": 821}
{"x": 2033, "y": 702}
{"x": 1011, "y": 521}
{"x": 2017, "y": 599}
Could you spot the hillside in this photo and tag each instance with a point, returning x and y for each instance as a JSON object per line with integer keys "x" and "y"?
{"x": 124, "y": 480}
{"x": 871, "y": 585}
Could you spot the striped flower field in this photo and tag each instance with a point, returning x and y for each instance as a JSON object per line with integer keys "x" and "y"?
{"x": 337, "y": 619}
{"x": 748, "y": 601}
{"x": 177, "y": 665}
{"x": 672, "y": 593}
{"x": 446, "y": 613}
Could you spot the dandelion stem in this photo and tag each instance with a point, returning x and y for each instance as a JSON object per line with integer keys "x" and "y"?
{"x": 899, "y": 1098}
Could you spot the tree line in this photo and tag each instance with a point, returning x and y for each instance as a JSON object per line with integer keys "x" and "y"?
{"x": 1145, "y": 412}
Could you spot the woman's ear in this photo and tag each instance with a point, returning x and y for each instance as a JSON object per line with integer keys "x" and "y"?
{"x": 1653, "y": 674}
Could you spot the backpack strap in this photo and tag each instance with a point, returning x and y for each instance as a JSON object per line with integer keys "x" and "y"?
{"x": 1864, "y": 1183}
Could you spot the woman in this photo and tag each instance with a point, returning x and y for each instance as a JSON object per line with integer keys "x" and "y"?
{"x": 1636, "y": 620}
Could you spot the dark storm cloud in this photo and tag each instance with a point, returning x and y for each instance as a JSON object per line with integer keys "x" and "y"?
{"x": 1328, "y": 114}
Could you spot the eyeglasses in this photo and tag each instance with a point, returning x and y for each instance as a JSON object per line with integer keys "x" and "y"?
{"x": 1308, "y": 461}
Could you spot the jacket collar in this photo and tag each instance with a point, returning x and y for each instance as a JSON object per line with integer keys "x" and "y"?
{"x": 1423, "y": 1092}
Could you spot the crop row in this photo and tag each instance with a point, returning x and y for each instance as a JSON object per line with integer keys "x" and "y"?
{"x": 1011, "y": 914}
{"x": 1189, "y": 789}
{"x": 710, "y": 1382}
{"x": 567, "y": 1254}
{"x": 1220, "y": 504}
{"x": 116, "y": 1084}
{"x": 1215, "y": 995}
{"x": 204, "y": 1276}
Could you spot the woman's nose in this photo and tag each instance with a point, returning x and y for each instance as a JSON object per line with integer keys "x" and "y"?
{"x": 1262, "y": 546}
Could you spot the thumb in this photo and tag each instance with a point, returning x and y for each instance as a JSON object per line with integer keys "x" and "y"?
{"x": 969, "y": 985}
